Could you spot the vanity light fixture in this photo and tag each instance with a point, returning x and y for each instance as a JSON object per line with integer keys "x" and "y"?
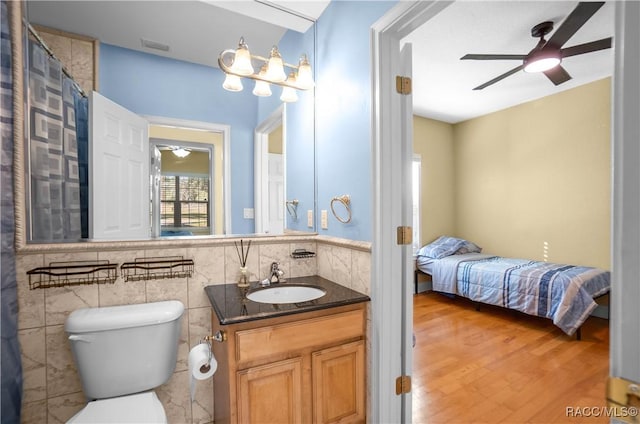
{"x": 180, "y": 152}
{"x": 237, "y": 64}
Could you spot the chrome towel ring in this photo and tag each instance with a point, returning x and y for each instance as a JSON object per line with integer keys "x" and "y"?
{"x": 292, "y": 208}
{"x": 345, "y": 200}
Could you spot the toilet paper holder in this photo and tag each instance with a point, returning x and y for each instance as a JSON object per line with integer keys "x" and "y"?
{"x": 220, "y": 336}
{"x": 206, "y": 367}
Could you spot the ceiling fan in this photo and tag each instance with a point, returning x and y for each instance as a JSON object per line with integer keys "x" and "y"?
{"x": 547, "y": 55}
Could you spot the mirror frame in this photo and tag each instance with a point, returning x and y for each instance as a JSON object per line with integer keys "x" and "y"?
{"x": 17, "y": 65}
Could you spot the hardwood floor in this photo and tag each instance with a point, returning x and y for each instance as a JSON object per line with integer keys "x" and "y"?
{"x": 500, "y": 366}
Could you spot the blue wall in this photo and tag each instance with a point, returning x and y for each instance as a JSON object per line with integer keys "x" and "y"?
{"x": 343, "y": 112}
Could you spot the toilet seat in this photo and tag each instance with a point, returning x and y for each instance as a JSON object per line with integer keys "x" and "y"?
{"x": 139, "y": 408}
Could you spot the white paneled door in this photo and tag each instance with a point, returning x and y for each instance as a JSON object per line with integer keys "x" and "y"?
{"x": 119, "y": 197}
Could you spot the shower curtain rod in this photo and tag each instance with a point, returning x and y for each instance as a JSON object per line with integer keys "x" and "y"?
{"x": 48, "y": 50}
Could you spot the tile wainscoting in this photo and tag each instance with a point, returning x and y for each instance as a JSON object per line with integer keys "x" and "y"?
{"x": 52, "y": 389}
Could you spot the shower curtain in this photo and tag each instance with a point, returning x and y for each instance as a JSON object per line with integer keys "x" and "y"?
{"x": 53, "y": 149}
{"x": 11, "y": 392}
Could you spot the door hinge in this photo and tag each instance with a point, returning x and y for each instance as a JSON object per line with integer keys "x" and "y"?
{"x": 403, "y": 384}
{"x": 405, "y": 235}
{"x": 623, "y": 397}
{"x": 403, "y": 85}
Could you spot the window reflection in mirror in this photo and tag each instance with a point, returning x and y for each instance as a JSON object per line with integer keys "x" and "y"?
{"x": 187, "y": 181}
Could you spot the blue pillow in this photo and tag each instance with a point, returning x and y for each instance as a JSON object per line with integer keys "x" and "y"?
{"x": 443, "y": 246}
{"x": 469, "y": 247}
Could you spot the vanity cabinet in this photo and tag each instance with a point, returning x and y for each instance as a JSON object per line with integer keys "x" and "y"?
{"x": 338, "y": 384}
{"x": 300, "y": 368}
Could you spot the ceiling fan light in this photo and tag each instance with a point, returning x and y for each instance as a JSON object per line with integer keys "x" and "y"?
{"x": 181, "y": 152}
{"x": 541, "y": 62}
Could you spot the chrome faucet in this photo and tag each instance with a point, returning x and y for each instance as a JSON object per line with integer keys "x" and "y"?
{"x": 276, "y": 273}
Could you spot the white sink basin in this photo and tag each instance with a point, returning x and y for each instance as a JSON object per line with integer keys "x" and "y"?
{"x": 286, "y": 293}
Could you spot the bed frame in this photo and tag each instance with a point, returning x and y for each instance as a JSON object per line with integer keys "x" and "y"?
{"x": 417, "y": 272}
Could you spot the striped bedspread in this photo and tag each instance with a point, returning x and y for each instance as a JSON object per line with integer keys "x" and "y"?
{"x": 563, "y": 293}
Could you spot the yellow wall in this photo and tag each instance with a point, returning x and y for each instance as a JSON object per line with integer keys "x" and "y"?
{"x": 275, "y": 140}
{"x": 195, "y": 163}
{"x": 433, "y": 141}
{"x": 533, "y": 181}
{"x": 208, "y": 137}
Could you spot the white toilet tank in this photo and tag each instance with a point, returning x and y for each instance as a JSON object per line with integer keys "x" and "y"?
{"x": 120, "y": 350}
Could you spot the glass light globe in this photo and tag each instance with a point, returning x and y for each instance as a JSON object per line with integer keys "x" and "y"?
{"x": 232, "y": 83}
{"x": 275, "y": 68}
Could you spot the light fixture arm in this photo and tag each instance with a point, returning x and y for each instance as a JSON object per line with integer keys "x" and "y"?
{"x": 229, "y": 54}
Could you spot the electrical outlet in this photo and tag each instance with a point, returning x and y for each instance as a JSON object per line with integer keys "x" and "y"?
{"x": 310, "y": 218}
{"x": 324, "y": 219}
{"x": 248, "y": 213}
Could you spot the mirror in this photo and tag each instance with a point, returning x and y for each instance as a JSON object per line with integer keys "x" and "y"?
{"x": 152, "y": 84}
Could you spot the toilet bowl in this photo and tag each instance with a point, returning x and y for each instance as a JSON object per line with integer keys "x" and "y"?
{"x": 122, "y": 353}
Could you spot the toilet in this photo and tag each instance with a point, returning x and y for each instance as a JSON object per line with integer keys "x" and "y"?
{"x": 122, "y": 353}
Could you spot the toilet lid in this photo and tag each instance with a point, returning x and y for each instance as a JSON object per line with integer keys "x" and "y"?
{"x": 138, "y": 408}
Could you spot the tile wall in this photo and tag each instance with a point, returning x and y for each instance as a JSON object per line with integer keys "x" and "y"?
{"x": 52, "y": 389}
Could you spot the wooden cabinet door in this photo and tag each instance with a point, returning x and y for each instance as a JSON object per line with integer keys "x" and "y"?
{"x": 271, "y": 393}
{"x": 339, "y": 384}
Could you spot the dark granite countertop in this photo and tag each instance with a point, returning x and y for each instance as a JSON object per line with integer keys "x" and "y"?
{"x": 232, "y": 307}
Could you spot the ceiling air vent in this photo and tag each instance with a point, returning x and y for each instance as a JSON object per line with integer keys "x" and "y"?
{"x": 154, "y": 45}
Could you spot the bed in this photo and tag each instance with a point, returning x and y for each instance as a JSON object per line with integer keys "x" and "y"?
{"x": 560, "y": 292}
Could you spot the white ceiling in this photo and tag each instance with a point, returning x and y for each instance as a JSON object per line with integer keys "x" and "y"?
{"x": 443, "y": 84}
{"x": 197, "y": 31}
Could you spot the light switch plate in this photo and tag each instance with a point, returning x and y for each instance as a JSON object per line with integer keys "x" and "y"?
{"x": 310, "y": 218}
{"x": 324, "y": 219}
{"x": 248, "y": 213}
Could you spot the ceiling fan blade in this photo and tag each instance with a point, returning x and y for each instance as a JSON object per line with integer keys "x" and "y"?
{"x": 592, "y": 46}
{"x": 499, "y": 78}
{"x": 557, "y": 75}
{"x": 581, "y": 14}
{"x": 493, "y": 57}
